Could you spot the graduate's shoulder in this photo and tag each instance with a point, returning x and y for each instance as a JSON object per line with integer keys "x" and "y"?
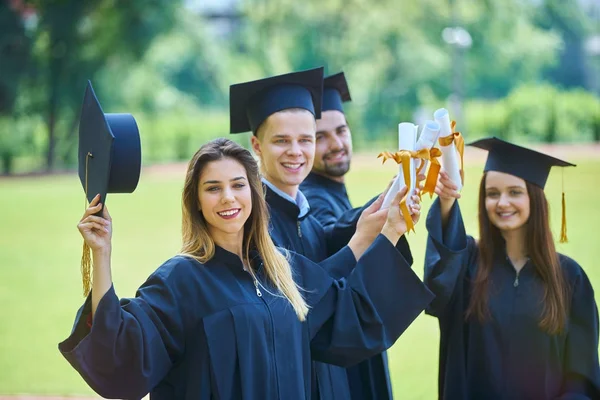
{"x": 196, "y": 282}
{"x": 318, "y": 199}
{"x": 176, "y": 266}
{"x": 315, "y": 192}
{"x": 572, "y": 269}
{"x": 181, "y": 269}
{"x": 300, "y": 264}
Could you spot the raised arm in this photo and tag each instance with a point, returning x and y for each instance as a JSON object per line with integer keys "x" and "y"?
{"x": 449, "y": 251}
{"x": 128, "y": 346}
{"x": 448, "y": 255}
{"x": 97, "y": 234}
{"x": 132, "y": 344}
{"x": 355, "y": 318}
{"x": 359, "y": 227}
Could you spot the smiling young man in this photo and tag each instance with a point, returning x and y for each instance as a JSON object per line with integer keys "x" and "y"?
{"x": 326, "y": 192}
{"x": 325, "y": 187}
{"x": 281, "y": 112}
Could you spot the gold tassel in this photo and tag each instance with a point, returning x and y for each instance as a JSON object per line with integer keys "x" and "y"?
{"x": 563, "y": 227}
{"x": 86, "y": 259}
{"x": 86, "y": 269}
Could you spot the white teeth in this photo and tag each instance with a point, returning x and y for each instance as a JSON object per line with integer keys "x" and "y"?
{"x": 228, "y": 213}
{"x": 293, "y": 166}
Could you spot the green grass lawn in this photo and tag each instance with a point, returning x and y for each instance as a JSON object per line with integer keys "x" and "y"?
{"x": 40, "y": 251}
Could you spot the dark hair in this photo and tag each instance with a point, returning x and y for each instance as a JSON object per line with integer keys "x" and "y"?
{"x": 542, "y": 253}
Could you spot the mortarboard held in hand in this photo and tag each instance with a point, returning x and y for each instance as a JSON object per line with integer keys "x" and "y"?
{"x": 110, "y": 158}
{"x": 251, "y": 103}
{"x": 529, "y": 165}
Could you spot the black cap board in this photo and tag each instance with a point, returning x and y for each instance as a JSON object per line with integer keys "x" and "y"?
{"x": 251, "y": 103}
{"x": 335, "y": 92}
{"x": 527, "y": 164}
{"x": 109, "y": 150}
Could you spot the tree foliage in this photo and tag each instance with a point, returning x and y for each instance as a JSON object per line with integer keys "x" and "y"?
{"x": 172, "y": 67}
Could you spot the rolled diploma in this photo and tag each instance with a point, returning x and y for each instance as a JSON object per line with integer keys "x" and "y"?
{"x": 428, "y": 139}
{"x": 450, "y": 156}
{"x": 407, "y": 137}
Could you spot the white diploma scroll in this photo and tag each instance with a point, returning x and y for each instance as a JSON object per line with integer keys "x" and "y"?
{"x": 450, "y": 156}
{"x": 407, "y": 138}
{"x": 428, "y": 139}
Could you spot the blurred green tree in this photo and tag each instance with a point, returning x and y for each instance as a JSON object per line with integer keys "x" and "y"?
{"x": 393, "y": 52}
{"x": 15, "y": 49}
{"x": 75, "y": 39}
{"x": 568, "y": 19}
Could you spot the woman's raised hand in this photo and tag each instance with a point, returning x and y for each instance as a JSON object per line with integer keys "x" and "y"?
{"x": 395, "y": 225}
{"x": 96, "y": 231}
{"x": 446, "y": 189}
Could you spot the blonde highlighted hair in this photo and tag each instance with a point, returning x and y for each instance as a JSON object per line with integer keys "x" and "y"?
{"x": 197, "y": 241}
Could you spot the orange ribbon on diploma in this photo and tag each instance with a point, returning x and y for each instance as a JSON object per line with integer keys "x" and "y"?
{"x": 404, "y": 158}
{"x": 434, "y": 171}
{"x": 459, "y": 142}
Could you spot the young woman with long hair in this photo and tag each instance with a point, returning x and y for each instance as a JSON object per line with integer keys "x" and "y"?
{"x": 517, "y": 319}
{"x": 232, "y": 316}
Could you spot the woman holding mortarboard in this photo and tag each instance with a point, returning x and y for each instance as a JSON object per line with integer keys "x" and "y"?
{"x": 228, "y": 318}
{"x": 517, "y": 319}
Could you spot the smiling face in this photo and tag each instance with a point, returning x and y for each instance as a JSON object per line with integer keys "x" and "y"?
{"x": 333, "y": 146}
{"x": 506, "y": 201}
{"x": 225, "y": 200}
{"x": 285, "y": 144}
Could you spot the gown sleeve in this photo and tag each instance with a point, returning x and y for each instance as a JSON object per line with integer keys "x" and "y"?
{"x": 356, "y": 318}
{"x": 448, "y": 253}
{"x": 341, "y": 264}
{"x": 339, "y": 234}
{"x": 132, "y": 343}
{"x": 582, "y": 371}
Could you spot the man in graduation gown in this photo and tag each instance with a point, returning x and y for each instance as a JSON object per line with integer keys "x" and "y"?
{"x": 326, "y": 193}
{"x": 325, "y": 187}
{"x": 285, "y": 147}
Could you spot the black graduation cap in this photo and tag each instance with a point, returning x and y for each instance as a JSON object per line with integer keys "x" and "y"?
{"x": 335, "y": 92}
{"x": 110, "y": 152}
{"x": 251, "y": 103}
{"x": 527, "y": 164}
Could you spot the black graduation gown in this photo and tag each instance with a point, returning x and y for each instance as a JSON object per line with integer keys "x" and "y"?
{"x": 328, "y": 201}
{"x": 198, "y": 331}
{"x": 306, "y": 236}
{"x": 508, "y": 357}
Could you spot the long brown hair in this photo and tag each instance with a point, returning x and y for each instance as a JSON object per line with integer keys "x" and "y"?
{"x": 542, "y": 253}
{"x": 197, "y": 241}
